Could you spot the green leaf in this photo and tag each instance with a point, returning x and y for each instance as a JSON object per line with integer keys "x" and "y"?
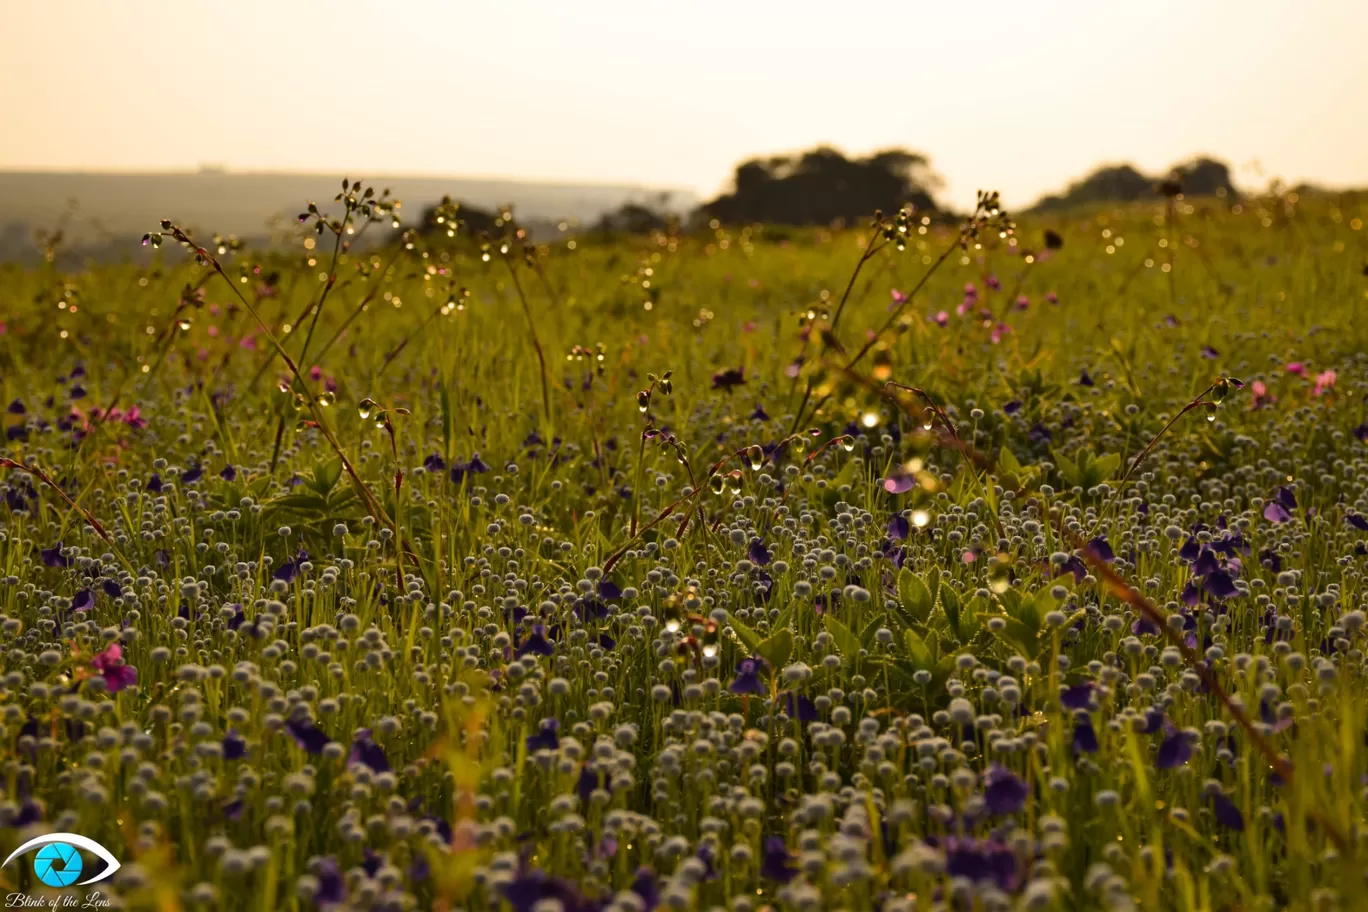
{"x": 1105, "y": 467}
{"x": 1068, "y": 468}
{"x": 870, "y": 632}
{"x": 916, "y": 599}
{"x": 950, "y": 605}
{"x": 846, "y": 642}
{"x": 1020, "y": 637}
{"x": 325, "y": 475}
{"x": 777, "y": 648}
{"x": 1008, "y": 462}
{"x": 749, "y": 638}
{"x": 917, "y": 651}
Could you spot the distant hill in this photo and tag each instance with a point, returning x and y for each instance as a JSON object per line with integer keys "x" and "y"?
{"x": 1125, "y": 184}
{"x": 115, "y": 209}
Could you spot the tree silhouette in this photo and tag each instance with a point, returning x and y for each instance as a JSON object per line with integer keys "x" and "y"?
{"x": 1125, "y": 184}
{"x": 824, "y": 187}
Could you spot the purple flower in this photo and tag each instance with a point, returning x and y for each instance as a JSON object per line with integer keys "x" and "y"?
{"x": 307, "y": 735}
{"x": 1227, "y": 814}
{"x": 1275, "y": 512}
{"x": 332, "y": 886}
{"x": 777, "y": 863}
{"x": 1154, "y": 721}
{"x": 1206, "y": 563}
{"x": 532, "y": 886}
{"x": 747, "y": 680}
{"x": 154, "y": 484}
{"x": 111, "y": 588}
{"x": 53, "y": 556}
{"x": 609, "y": 591}
{"x": 759, "y": 414}
{"x": 1079, "y": 696}
{"x": 228, "y": 474}
{"x": 536, "y": 643}
{"x": 1220, "y": 585}
{"x": 645, "y": 887}
{"x": 731, "y": 377}
{"x": 758, "y": 553}
{"x": 1176, "y": 751}
{"x": 545, "y": 737}
{"x": 234, "y": 748}
{"x": 1191, "y": 550}
{"x": 899, "y": 528}
{"x": 1102, "y": 551}
{"x": 588, "y": 781}
{"x": 1357, "y": 521}
{"x": 799, "y": 707}
{"x": 1361, "y": 432}
{"x": 982, "y": 861}
{"x": 434, "y": 463}
{"x": 1084, "y": 737}
{"x": 83, "y": 601}
{"x": 109, "y": 664}
{"x": 1210, "y": 353}
{"x": 1011, "y": 408}
{"x": 365, "y": 751}
{"x": 1084, "y": 379}
{"x": 1006, "y": 792}
{"x": 17, "y": 407}
{"x": 192, "y": 474}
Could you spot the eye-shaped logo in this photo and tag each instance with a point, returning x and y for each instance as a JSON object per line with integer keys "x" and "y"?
{"x": 57, "y": 862}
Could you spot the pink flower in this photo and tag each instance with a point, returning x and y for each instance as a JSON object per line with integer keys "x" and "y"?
{"x": 1052, "y": 297}
{"x": 1296, "y": 367}
{"x": 1325, "y": 381}
{"x": 941, "y": 318}
{"x": 315, "y": 373}
{"x": 999, "y": 331}
{"x": 1260, "y": 391}
{"x": 898, "y": 296}
{"x": 110, "y": 665}
{"x": 1022, "y": 302}
{"x": 994, "y": 283}
{"x": 969, "y": 290}
{"x": 133, "y": 419}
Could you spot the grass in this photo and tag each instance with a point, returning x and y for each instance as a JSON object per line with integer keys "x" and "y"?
{"x": 612, "y": 574}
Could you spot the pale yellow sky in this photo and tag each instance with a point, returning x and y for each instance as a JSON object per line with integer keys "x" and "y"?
{"x": 1019, "y": 96}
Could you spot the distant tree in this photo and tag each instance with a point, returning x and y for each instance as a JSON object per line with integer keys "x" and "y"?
{"x": 636, "y": 217}
{"x": 473, "y": 220}
{"x": 822, "y": 186}
{"x": 1125, "y": 184}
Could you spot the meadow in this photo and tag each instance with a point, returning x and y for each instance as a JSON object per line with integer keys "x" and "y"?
{"x": 926, "y": 564}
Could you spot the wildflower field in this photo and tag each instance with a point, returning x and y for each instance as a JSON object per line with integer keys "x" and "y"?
{"x": 927, "y": 564}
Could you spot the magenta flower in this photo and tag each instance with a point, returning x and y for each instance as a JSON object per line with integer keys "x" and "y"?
{"x": 1296, "y": 367}
{"x": 941, "y": 318}
{"x": 1325, "y": 381}
{"x": 110, "y": 665}
{"x": 1052, "y": 297}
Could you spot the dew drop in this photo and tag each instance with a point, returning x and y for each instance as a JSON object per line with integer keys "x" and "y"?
{"x": 756, "y": 456}
{"x": 365, "y": 407}
{"x": 326, "y": 398}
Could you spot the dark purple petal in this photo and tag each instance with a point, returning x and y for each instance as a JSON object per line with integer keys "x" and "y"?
{"x": 1220, "y": 585}
{"x": 1084, "y": 737}
{"x": 545, "y": 737}
{"x": 1209, "y": 353}
{"x": 899, "y": 484}
{"x": 228, "y": 474}
{"x": 1287, "y": 498}
{"x": 1227, "y": 814}
{"x": 234, "y": 748}
{"x": 1006, "y": 792}
{"x": 758, "y": 553}
{"x": 53, "y": 556}
{"x": 365, "y": 751}
{"x": 726, "y": 379}
{"x": 83, "y": 601}
{"x": 899, "y": 528}
{"x": 1275, "y": 512}
{"x": 1357, "y": 521}
{"x": 307, "y": 736}
{"x": 1079, "y": 696}
{"x": 776, "y": 863}
{"x": 747, "y": 680}
{"x": 1100, "y": 550}
{"x": 1176, "y": 751}
{"x": 111, "y": 588}
{"x": 192, "y": 474}
{"x": 1206, "y": 563}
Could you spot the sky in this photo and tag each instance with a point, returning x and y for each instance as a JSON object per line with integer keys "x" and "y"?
{"x": 1018, "y": 97}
